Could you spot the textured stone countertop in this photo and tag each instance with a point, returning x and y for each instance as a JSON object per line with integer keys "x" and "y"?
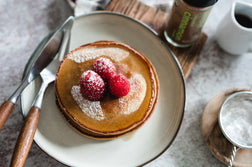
{"x": 23, "y": 24}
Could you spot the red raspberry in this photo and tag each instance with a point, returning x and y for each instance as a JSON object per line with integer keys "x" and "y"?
{"x": 105, "y": 68}
{"x": 92, "y": 85}
{"x": 119, "y": 85}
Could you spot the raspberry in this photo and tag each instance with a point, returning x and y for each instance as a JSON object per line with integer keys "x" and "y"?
{"x": 105, "y": 68}
{"x": 119, "y": 85}
{"x": 92, "y": 85}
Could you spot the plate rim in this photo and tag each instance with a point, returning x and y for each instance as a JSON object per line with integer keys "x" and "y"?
{"x": 173, "y": 57}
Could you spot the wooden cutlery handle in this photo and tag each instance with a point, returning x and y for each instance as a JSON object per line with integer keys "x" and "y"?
{"x": 25, "y": 138}
{"x": 5, "y": 111}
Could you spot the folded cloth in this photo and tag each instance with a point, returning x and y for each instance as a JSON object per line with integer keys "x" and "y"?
{"x": 164, "y": 5}
{"x": 85, "y": 6}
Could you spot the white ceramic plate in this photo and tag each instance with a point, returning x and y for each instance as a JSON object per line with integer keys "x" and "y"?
{"x": 60, "y": 141}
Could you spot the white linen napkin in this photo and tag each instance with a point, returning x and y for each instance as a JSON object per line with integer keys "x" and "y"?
{"x": 85, "y": 6}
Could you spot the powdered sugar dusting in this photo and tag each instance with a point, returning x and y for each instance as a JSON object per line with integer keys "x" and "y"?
{"x": 104, "y": 67}
{"x": 92, "y": 85}
{"x": 82, "y": 55}
{"x": 90, "y": 108}
{"x": 132, "y": 101}
{"x": 92, "y": 76}
{"x": 103, "y": 63}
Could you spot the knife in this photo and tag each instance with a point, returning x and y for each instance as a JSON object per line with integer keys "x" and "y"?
{"x": 40, "y": 59}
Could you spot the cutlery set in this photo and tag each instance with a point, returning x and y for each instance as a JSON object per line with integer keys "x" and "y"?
{"x": 43, "y": 63}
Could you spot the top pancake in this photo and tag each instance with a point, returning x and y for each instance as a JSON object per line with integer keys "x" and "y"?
{"x": 110, "y": 115}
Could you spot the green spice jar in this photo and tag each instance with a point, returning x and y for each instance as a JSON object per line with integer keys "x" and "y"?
{"x": 186, "y": 20}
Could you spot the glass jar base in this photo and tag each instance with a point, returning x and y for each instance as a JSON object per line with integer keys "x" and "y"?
{"x": 169, "y": 40}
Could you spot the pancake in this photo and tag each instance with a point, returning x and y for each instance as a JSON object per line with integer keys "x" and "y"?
{"x": 109, "y": 117}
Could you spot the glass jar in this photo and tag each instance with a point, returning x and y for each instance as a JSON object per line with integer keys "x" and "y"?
{"x": 186, "y": 21}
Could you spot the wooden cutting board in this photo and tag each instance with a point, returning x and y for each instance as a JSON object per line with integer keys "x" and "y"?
{"x": 157, "y": 19}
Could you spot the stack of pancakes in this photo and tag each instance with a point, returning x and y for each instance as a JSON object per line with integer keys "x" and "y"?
{"x": 110, "y": 117}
